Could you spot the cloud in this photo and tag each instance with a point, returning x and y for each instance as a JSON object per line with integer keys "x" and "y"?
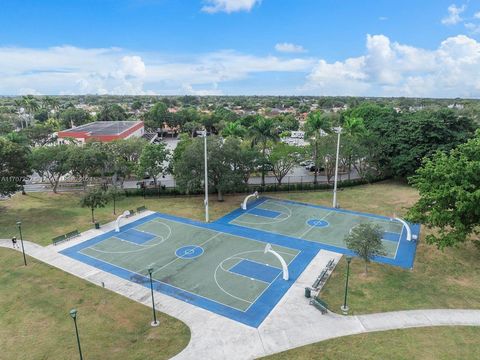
{"x": 477, "y": 15}
{"x": 393, "y": 69}
{"x": 289, "y": 48}
{"x": 73, "y": 70}
{"x": 70, "y": 70}
{"x": 383, "y": 18}
{"x": 384, "y": 68}
{"x": 453, "y": 16}
{"x": 228, "y": 6}
{"x": 473, "y": 28}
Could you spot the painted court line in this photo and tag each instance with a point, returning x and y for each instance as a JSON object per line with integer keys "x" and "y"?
{"x": 178, "y": 258}
{"x": 163, "y": 283}
{"x": 312, "y": 227}
{"x": 253, "y": 270}
{"x": 258, "y": 297}
{"x": 237, "y": 274}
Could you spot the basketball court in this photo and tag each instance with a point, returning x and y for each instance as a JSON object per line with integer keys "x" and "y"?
{"x": 223, "y": 266}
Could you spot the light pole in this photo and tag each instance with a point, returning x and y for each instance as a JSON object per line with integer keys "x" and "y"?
{"x": 338, "y": 130}
{"x": 73, "y": 314}
{"x": 344, "y": 307}
{"x": 154, "y": 322}
{"x": 19, "y": 225}
{"x": 207, "y": 219}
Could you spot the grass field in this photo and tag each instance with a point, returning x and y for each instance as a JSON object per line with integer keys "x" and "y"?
{"x": 35, "y": 323}
{"x": 46, "y": 215}
{"x": 436, "y": 343}
{"x": 439, "y": 280}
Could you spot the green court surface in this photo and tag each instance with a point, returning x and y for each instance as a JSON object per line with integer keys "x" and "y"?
{"x": 314, "y": 223}
{"x": 227, "y": 269}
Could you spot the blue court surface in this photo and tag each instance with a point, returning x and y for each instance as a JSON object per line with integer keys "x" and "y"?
{"x": 222, "y": 266}
{"x": 324, "y": 227}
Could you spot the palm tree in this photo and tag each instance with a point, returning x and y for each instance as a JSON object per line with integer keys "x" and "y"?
{"x": 318, "y": 124}
{"x": 234, "y": 129}
{"x": 50, "y": 104}
{"x": 353, "y": 128}
{"x": 261, "y": 132}
{"x": 30, "y": 104}
{"x": 20, "y": 108}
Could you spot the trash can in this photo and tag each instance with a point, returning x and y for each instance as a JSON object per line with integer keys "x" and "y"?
{"x": 97, "y": 225}
{"x": 308, "y": 292}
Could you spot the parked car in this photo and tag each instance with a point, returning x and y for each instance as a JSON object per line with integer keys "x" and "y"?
{"x": 146, "y": 184}
{"x": 312, "y": 167}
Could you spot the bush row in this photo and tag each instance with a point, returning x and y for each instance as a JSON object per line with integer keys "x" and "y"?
{"x": 164, "y": 191}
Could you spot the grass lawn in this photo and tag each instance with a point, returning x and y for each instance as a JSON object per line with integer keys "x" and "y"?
{"x": 439, "y": 279}
{"x": 435, "y": 343}
{"x": 35, "y": 323}
{"x": 46, "y": 215}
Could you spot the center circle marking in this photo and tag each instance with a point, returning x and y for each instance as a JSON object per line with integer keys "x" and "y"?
{"x": 318, "y": 223}
{"x": 189, "y": 252}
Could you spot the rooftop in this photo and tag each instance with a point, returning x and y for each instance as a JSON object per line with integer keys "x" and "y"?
{"x": 102, "y": 128}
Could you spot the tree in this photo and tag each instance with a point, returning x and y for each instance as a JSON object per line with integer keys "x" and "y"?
{"x": 30, "y": 104}
{"x": 93, "y": 199}
{"x": 224, "y": 159}
{"x": 449, "y": 187}
{"x": 6, "y": 124}
{"x": 187, "y": 115}
{"x": 353, "y": 129}
{"x": 234, "y": 129}
{"x": 366, "y": 241}
{"x": 83, "y": 162}
{"x": 261, "y": 132}
{"x": 14, "y": 166}
{"x": 422, "y": 133}
{"x": 41, "y": 115}
{"x": 136, "y": 105}
{"x": 74, "y": 117}
{"x": 115, "y": 194}
{"x": 191, "y": 128}
{"x": 317, "y": 126}
{"x": 123, "y": 156}
{"x": 381, "y": 123}
{"x": 51, "y": 162}
{"x": 153, "y": 161}
{"x": 113, "y": 112}
{"x": 40, "y": 134}
{"x": 287, "y": 123}
{"x": 283, "y": 157}
{"x": 157, "y": 116}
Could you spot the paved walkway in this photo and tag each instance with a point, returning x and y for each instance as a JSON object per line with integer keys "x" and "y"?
{"x": 291, "y": 323}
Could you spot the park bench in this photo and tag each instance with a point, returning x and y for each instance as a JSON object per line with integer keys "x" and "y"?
{"x": 320, "y": 305}
{"x": 320, "y": 278}
{"x": 141, "y": 209}
{"x": 65, "y": 237}
{"x": 131, "y": 213}
{"x": 331, "y": 263}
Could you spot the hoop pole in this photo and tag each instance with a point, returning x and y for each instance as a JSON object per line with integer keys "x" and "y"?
{"x": 336, "y": 171}
{"x": 207, "y": 219}
{"x": 405, "y": 224}
{"x": 268, "y": 249}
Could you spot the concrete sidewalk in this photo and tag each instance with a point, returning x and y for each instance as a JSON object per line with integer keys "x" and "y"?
{"x": 291, "y": 323}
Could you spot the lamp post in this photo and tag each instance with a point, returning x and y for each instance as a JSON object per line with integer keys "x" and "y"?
{"x": 19, "y": 225}
{"x": 338, "y": 130}
{"x": 154, "y": 322}
{"x": 73, "y": 314}
{"x": 207, "y": 219}
{"x": 344, "y": 307}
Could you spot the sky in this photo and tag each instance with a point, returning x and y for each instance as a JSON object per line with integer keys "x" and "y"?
{"x": 426, "y": 48}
